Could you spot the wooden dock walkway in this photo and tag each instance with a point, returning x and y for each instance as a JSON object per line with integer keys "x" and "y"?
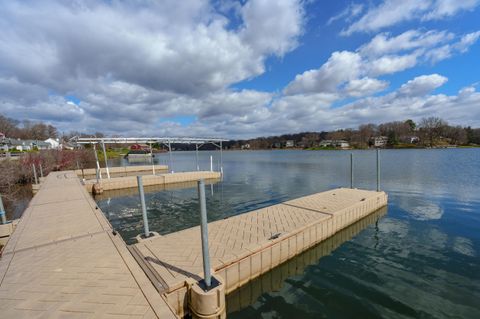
{"x": 63, "y": 261}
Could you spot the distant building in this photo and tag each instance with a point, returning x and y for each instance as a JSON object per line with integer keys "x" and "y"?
{"x": 379, "y": 141}
{"x": 410, "y": 139}
{"x": 25, "y": 145}
{"x": 335, "y": 143}
{"x": 290, "y": 143}
{"x": 277, "y": 145}
{"x": 2, "y": 136}
{"x": 245, "y": 146}
{"x": 54, "y": 143}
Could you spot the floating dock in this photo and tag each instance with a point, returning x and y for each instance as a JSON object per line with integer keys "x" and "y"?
{"x": 121, "y": 171}
{"x": 108, "y": 184}
{"x": 65, "y": 260}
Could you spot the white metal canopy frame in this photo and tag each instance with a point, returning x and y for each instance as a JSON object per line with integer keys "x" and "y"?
{"x": 167, "y": 141}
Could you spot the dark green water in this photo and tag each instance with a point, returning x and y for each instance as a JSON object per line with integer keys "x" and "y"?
{"x": 419, "y": 259}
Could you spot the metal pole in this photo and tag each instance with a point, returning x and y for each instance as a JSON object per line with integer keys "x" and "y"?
{"x": 35, "y": 174}
{"x": 144, "y": 207}
{"x": 196, "y": 156}
{"x": 151, "y": 156}
{"x": 41, "y": 170}
{"x": 221, "y": 158}
{"x": 2, "y": 212}
{"x": 204, "y": 230}
{"x": 351, "y": 170}
{"x": 99, "y": 172}
{"x": 378, "y": 170}
{"x": 106, "y": 162}
{"x": 211, "y": 163}
{"x": 170, "y": 155}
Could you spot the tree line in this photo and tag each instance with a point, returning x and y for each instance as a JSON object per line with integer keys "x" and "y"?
{"x": 428, "y": 132}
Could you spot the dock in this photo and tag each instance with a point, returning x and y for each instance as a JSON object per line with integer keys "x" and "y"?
{"x": 121, "y": 171}
{"x": 65, "y": 260}
{"x": 109, "y": 184}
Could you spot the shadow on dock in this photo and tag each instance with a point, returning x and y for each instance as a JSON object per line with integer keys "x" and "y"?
{"x": 274, "y": 279}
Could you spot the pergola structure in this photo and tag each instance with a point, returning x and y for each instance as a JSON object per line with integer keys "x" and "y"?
{"x": 167, "y": 141}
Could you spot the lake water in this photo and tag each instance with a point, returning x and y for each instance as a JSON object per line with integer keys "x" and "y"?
{"x": 418, "y": 259}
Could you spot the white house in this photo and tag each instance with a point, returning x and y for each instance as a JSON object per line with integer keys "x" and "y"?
{"x": 380, "y": 141}
{"x": 335, "y": 143}
{"x": 54, "y": 143}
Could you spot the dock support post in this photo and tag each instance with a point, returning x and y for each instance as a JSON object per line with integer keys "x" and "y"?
{"x": 196, "y": 156}
{"x": 204, "y": 230}
{"x": 2, "y": 212}
{"x": 151, "y": 156}
{"x": 144, "y": 207}
{"x": 99, "y": 173}
{"x": 211, "y": 163}
{"x": 170, "y": 156}
{"x": 221, "y": 158}
{"x": 35, "y": 173}
{"x": 351, "y": 170}
{"x": 378, "y": 170}
{"x": 41, "y": 170}
{"x": 106, "y": 161}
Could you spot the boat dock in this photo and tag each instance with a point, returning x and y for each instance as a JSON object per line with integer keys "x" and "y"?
{"x": 148, "y": 180}
{"x": 64, "y": 258}
{"x": 122, "y": 171}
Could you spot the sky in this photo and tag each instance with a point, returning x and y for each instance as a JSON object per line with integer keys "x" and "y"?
{"x": 238, "y": 69}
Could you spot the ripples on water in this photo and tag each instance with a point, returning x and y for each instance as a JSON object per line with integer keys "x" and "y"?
{"x": 420, "y": 260}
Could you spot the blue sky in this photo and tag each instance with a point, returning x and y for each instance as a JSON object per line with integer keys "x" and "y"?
{"x": 238, "y": 68}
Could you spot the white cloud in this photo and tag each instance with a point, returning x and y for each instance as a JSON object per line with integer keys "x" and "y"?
{"x": 392, "y": 12}
{"x": 365, "y": 86}
{"x": 422, "y": 85}
{"x": 350, "y": 12}
{"x": 341, "y": 67}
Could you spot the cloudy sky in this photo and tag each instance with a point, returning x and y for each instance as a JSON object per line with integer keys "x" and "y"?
{"x": 238, "y": 69}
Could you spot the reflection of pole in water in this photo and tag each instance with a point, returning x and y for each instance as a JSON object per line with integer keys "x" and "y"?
{"x": 211, "y": 188}
{"x": 376, "y": 234}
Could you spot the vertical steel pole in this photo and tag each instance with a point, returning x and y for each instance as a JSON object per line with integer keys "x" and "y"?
{"x": 211, "y": 163}
{"x": 99, "y": 172}
{"x": 35, "y": 174}
{"x": 221, "y": 158}
{"x": 378, "y": 170}
{"x": 151, "y": 156}
{"x": 170, "y": 155}
{"x": 2, "y": 212}
{"x": 41, "y": 170}
{"x": 106, "y": 162}
{"x": 351, "y": 170}
{"x": 196, "y": 156}
{"x": 204, "y": 230}
{"x": 144, "y": 207}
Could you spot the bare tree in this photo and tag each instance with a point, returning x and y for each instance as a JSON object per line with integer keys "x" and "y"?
{"x": 432, "y": 128}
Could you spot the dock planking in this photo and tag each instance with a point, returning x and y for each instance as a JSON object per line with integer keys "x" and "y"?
{"x": 245, "y": 246}
{"x": 63, "y": 260}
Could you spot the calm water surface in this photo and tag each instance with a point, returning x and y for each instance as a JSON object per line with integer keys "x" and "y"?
{"x": 418, "y": 259}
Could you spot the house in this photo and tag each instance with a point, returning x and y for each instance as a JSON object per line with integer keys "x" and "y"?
{"x": 290, "y": 143}
{"x": 335, "y": 143}
{"x": 379, "y": 141}
{"x": 54, "y": 143}
{"x": 245, "y": 146}
{"x": 410, "y": 139}
{"x": 25, "y": 145}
